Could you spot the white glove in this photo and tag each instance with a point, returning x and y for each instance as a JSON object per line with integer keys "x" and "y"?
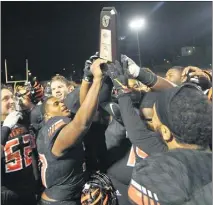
{"x": 133, "y": 68}
{"x": 12, "y": 119}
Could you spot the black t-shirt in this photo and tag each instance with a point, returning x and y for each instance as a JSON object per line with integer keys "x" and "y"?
{"x": 17, "y": 168}
{"x": 62, "y": 176}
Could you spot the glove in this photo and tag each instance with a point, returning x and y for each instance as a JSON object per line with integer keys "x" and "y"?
{"x": 88, "y": 76}
{"x": 132, "y": 68}
{"x": 38, "y": 91}
{"x": 144, "y": 75}
{"x": 119, "y": 78}
{"x": 12, "y": 119}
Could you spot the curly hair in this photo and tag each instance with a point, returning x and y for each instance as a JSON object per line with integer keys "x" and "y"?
{"x": 191, "y": 117}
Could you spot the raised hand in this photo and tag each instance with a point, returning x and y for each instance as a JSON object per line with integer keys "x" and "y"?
{"x": 96, "y": 69}
{"x": 190, "y": 73}
{"x": 88, "y": 76}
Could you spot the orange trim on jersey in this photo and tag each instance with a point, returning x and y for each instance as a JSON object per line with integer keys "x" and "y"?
{"x": 55, "y": 126}
{"x": 132, "y": 158}
{"x": 139, "y": 198}
{"x": 135, "y": 195}
{"x": 141, "y": 153}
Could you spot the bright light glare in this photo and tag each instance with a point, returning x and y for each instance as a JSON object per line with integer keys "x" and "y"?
{"x": 122, "y": 38}
{"x": 137, "y": 24}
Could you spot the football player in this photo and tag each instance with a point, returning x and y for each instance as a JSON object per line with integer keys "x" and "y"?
{"x": 175, "y": 176}
{"x": 17, "y": 157}
{"x": 60, "y": 144}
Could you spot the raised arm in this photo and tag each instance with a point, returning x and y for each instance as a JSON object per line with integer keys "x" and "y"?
{"x": 146, "y": 76}
{"x": 138, "y": 133}
{"x": 85, "y": 86}
{"x": 87, "y": 78}
{"x": 76, "y": 129}
{"x": 105, "y": 92}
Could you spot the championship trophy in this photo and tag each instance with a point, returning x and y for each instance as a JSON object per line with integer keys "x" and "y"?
{"x": 109, "y": 47}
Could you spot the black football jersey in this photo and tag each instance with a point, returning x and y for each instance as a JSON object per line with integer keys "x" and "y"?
{"x": 17, "y": 168}
{"x": 36, "y": 118}
{"x": 64, "y": 176}
{"x": 179, "y": 176}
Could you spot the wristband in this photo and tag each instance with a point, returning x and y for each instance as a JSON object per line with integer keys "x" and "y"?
{"x": 147, "y": 77}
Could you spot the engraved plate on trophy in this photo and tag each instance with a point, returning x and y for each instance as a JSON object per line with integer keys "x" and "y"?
{"x": 109, "y": 49}
{"x": 106, "y": 46}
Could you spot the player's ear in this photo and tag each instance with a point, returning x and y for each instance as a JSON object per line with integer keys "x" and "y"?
{"x": 165, "y": 132}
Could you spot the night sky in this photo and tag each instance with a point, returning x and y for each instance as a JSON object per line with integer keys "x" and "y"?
{"x": 57, "y": 35}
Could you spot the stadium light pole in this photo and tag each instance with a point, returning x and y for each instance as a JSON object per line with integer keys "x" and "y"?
{"x": 137, "y": 25}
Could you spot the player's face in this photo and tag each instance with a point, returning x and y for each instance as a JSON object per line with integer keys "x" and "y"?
{"x": 56, "y": 108}
{"x": 7, "y": 102}
{"x": 174, "y": 76}
{"x": 59, "y": 90}
{"x": 155, "y": 120}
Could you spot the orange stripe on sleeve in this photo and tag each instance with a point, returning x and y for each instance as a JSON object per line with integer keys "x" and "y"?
{"x": 139, "y": 198}
{"x": 135, "y": 195}
{"x": 55, "y": 126}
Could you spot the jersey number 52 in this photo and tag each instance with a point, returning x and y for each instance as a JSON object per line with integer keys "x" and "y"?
{"x": 14, "y": 159}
